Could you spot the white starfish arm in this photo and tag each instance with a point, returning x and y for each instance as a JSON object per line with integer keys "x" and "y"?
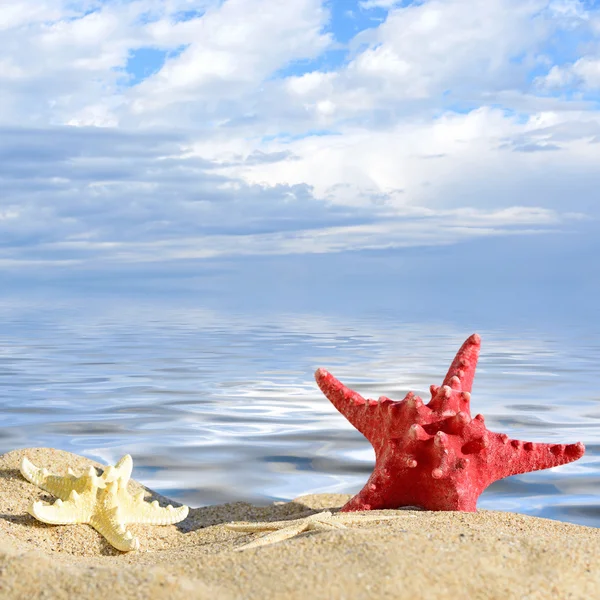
{"x": 266, "y": 525}
{"x": 108, "y": 523}
{"x": 77, "y": 509}
{"x": 326, "y": 525}
{"x": 276, "y": 536}
{"x": 122, "y": 470}
{"x": 274, "y": 525}
{"x": 58, "y": 485}
{"x": 133, "y": 509}
{"x": 32, "y": 473}
{"x": 323, "y": 521}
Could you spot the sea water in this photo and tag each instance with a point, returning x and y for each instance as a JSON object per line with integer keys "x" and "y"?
{"x": 219, "y": 404}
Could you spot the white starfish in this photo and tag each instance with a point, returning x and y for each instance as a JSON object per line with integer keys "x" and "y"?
{"x": 101, "y": 501}
{"x": 323, "y": 521}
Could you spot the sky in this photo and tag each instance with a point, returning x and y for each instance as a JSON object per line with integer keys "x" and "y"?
{"x": 378, "y": 144}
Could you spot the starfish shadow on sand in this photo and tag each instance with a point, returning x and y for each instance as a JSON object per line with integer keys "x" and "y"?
{"x": 210, "y": 516}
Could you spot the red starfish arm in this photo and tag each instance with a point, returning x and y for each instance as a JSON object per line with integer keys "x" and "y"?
{"x": 464, "y": 364}
{"x": 350, "y": 403}
{"x": 367, "y": 499}
{"x": 454, "y": 393}
{"x": 513, "y": 457}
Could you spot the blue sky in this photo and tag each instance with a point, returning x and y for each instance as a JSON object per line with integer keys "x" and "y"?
{"x": 188, "y": 136}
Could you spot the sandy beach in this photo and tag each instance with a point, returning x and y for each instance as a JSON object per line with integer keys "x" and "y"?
{"x": 420, "y": 555}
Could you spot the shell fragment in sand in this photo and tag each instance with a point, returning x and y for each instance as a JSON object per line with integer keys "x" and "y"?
{"x": 323, "y": 521}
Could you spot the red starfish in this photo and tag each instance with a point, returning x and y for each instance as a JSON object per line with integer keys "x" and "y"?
{"x": 436, "y": 456}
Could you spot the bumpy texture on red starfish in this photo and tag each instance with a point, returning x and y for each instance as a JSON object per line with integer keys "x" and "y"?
{"x": 435, "y": 455}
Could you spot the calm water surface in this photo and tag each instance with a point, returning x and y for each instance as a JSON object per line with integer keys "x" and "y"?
{"x": 222, "y": 406}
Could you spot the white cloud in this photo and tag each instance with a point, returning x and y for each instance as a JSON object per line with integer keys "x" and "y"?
{"x": 441, "y": 45}
{"x": 483, "y": 159}
{"x": 368, "y": 4}
{"x": 435, "y": 229}
{"x": 307, "y": 84}
{"x": 589, "y": 71}
{"x": 74, "y": 194}
{"x": 233, "y": 49}
{"x": 430, "y": 131}
{"x": 572, "y": 10}
{"x": 584, "y": 73}
{"x": 431, "y": 56}
{"x": 61, "y": 58}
